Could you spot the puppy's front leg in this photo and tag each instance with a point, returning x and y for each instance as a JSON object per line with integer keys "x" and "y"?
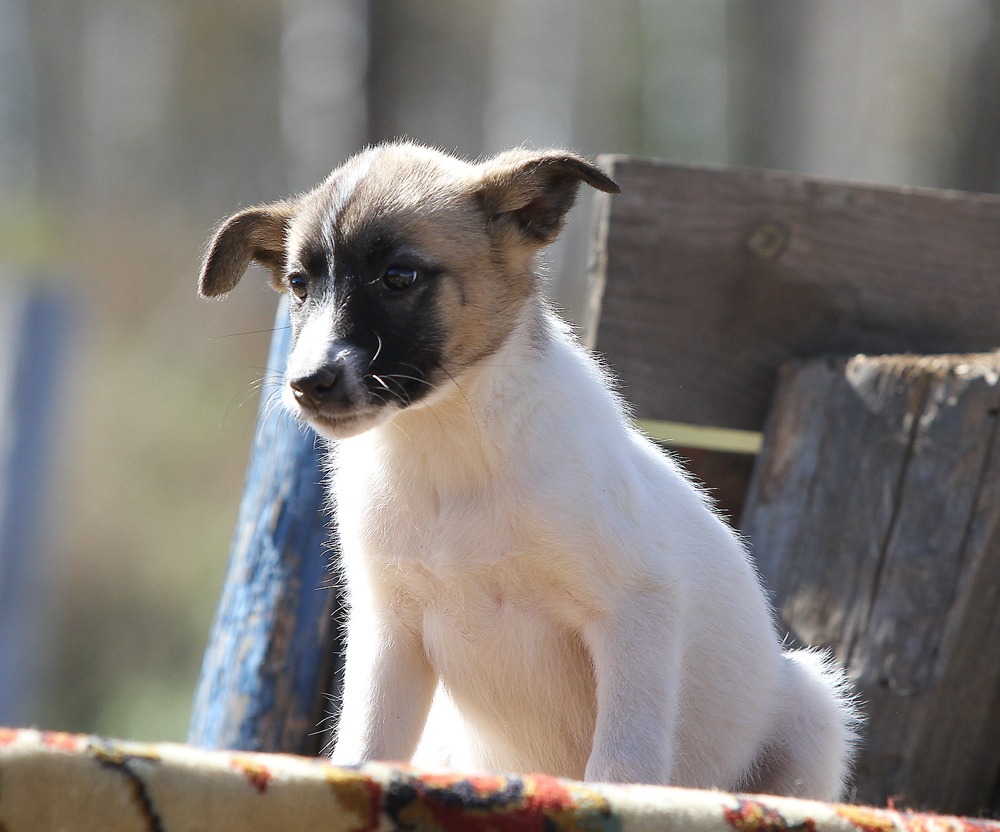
{"x": 388, "y": 687}
{"x": 636, "y": 656}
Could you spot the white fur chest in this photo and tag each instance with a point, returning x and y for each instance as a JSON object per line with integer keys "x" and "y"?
{"x": 464, "y": 569}
{"x": 398, "y": 522}
{"x": 423, "y": 537}
{"x": 469, "y": 563}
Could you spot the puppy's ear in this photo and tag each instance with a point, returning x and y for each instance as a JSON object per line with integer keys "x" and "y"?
{"x": 255, "y": 234}
{"x": 531, "y": 192}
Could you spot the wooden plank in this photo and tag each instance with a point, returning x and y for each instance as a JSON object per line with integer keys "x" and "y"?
{"x": 679, "y": 435}
{"x": 713, "y": 278}
{"x": 874, "y": 516}
{"x": 271, "y": 661}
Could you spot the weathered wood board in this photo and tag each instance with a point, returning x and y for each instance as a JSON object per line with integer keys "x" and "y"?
{"x": 270, "y": 667}
{"x": 874, "y": 516}
{"x": 713, "y": 278}
{"x": 707, "y": 280}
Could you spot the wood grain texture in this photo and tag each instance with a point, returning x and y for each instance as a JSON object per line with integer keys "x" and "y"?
{"x": 874, "y": 516}
{"x": 713, "y": 278}
{"x": 270, "y": 662}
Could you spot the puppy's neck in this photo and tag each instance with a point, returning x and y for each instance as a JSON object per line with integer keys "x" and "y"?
{"x": 469, "y": 427}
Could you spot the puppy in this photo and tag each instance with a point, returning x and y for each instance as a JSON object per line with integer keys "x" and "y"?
{"x": 533, "y": 585}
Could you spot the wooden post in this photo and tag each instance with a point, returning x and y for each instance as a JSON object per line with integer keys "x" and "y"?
{"x": 874, "y": 515}
{"x": 35, "y": 330}
{"x": 271, "y": 661}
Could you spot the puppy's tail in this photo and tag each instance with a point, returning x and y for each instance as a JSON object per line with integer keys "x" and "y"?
{"x": 816, "y": 731}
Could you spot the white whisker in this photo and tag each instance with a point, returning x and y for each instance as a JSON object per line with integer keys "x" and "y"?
{"x": 378, "y": 351}
{"x": 394, "y": 376}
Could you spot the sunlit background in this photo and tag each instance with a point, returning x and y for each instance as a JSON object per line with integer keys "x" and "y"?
{"x": 128, "y": 128}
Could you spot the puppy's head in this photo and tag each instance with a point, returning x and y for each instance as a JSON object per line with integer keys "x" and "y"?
{"x": 404, "y": 268}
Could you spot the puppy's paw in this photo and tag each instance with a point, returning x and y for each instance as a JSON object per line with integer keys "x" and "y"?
{"x": 344, "y": 755}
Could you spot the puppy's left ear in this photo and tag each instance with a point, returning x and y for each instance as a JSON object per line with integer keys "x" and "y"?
{"x": 254, "y": 235}
{"x": 531, "y": 192}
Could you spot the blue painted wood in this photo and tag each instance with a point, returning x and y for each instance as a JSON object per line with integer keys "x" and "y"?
{"x": 37, "y": 327}
{"x": 273, "y": 649}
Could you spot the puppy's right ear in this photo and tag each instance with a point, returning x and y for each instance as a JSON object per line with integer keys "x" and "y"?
{"x": 253, "y": 235}
{"x": 532, "y": 191}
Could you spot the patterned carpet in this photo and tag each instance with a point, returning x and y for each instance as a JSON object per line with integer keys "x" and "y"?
{"x": 72, "y": 783}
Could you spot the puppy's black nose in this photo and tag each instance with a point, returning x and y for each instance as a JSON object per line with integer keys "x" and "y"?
{"x": 316, "y": 389}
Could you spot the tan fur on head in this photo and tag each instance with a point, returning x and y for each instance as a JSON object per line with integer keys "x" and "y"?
{"x": 471, "y": 229}
{"x": 482, "y": 222}
{"x": 523, "y": 195}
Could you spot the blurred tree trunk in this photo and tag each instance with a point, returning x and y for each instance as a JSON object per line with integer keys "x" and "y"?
{"x": 815, "y": 88}
{"x": 324, "y": 108}
{"x": 56, "y": 26}
{"x": 35, "y": 335}
{"x": 765, "y": 42}
{"x": 532, "y": 39}
{"x": 426, "y": 73}
{"x": 225, "y": 119}
{"x": 18, "y": 130}
{"x": 976, "y": 163}
{"x": 684, "y": 79}
{"x": 529, "y": 40}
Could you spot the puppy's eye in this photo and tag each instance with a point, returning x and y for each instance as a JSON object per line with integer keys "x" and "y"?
{"x": 298, "y": 285}
{"x": 397, "y": 278}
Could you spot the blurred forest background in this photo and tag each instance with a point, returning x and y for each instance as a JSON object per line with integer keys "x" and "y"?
{"x": 128, "y": 129}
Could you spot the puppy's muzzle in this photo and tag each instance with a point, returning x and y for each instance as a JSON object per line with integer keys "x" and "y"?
{"x": 329, "y": 388}
{"x": 320, "y": 389}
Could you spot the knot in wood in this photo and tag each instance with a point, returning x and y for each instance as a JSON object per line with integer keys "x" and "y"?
{"x": 768, "y": 240}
